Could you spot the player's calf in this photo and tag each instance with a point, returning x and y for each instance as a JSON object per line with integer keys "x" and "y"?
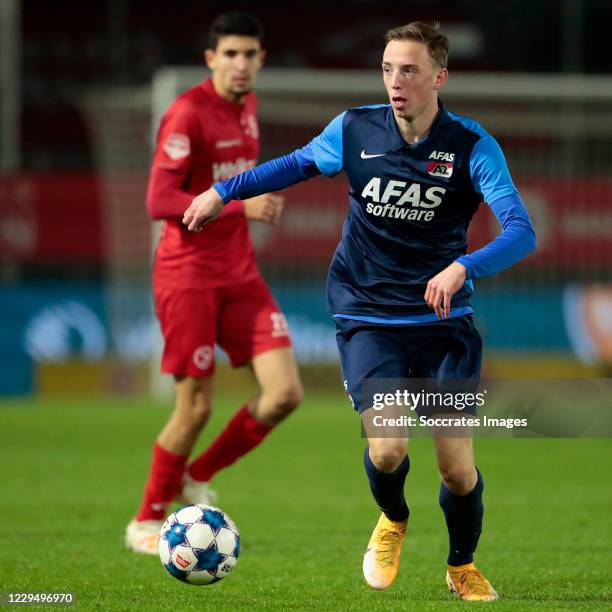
{"x": 192, "y": 409}
{"x": 381, "y": 560}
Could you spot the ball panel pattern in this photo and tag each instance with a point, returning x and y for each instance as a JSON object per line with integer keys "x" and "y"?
{"x": 199, "y": 544}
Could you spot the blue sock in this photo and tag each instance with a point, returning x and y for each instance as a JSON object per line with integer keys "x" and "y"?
{"x": 463, "y": 515}
{"x": 388, "y": 488}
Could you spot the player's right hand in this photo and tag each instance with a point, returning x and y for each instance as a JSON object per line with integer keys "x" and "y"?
{"x": 204, "y": 208}
{"x": 267, "y": 207}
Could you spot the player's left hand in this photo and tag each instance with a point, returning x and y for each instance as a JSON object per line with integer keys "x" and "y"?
{"x": 442, "y": 287}
{"x": 267, "y": 208}
{"x": 204, "y": 208}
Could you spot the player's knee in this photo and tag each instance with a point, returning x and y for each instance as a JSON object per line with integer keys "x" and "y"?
{"x": 458, "y": 478}
{"x": 387, "y": 457}
{"x": 200, "y": 412}
{"x": 190, "y": 416}
{"x": 293, "y": 396}
{"x": 280, "y": 402}
{"x": 288, "y": 397}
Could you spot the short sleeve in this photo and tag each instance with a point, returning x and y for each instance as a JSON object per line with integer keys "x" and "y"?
{"x": 489, "y": 171}
{"x": 175, "y": 138}
{"x": 327, "y": 147}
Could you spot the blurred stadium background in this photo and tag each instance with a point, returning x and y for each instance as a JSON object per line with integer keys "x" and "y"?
{"x": 82, "y": 89}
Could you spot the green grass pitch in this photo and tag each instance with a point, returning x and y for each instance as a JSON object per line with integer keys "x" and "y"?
{"x": 73, "y": 471}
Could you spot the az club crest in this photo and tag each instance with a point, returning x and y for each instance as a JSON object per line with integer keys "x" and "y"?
{"x": 440, "y": 168}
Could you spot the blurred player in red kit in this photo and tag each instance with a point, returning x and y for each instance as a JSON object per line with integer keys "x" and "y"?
{"x": 207, "y": 287}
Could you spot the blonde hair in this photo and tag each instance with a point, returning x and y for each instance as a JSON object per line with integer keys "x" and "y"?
{"x": 429, "y": 35}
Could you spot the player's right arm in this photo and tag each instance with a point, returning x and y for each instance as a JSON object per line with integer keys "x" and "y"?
{"x": 172, "y": 159}
{"x": 323, "y": 155}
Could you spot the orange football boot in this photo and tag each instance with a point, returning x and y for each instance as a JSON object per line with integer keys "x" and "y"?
{"x": 381, "y": 560}
{"x": 469, "y": 584}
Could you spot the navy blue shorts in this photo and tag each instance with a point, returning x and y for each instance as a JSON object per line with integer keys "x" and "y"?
{"x": 441, "y": 351}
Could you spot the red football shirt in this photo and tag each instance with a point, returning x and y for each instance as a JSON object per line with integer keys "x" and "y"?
{"x": 202, "y": 139}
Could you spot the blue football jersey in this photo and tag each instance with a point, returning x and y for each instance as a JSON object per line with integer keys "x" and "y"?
{"x": 409, "y": 209}
{"x": 409, "y": 205}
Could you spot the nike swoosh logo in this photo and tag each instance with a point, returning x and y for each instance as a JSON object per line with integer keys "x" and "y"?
{"x": 365, "y": 155}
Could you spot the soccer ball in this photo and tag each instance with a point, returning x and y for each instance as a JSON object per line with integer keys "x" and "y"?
{"x": 199, "y": 544}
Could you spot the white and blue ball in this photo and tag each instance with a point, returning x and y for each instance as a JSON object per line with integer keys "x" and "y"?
{"x": 199, "y": 544}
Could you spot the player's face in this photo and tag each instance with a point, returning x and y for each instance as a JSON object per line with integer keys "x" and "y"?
{"x": 235, "y": 64}
{"x": 411, "y": 77}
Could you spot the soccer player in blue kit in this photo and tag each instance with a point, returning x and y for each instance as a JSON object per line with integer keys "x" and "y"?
{"x": 417, "y": 174}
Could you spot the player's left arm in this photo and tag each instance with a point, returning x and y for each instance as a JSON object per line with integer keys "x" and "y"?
{"x": 491, "y": 178}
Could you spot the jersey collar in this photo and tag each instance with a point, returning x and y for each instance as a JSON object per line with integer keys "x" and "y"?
{"x": 397, "y": 140}
{"x": 211, "y": 92}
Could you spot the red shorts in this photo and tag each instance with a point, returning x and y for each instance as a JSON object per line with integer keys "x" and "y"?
{"x": 244, "y": 320}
